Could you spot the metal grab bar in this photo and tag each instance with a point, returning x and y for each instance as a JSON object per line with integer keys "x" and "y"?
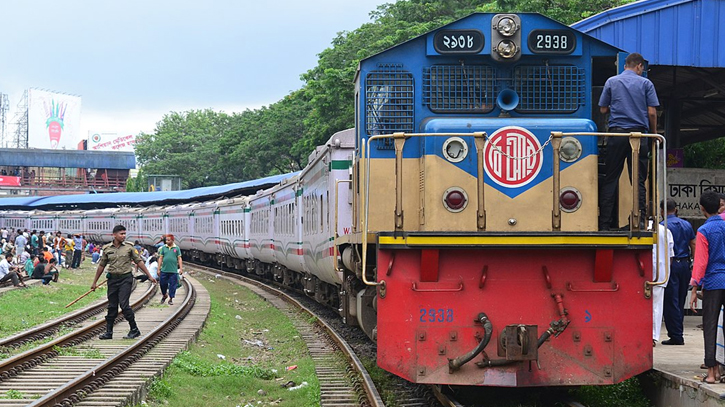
{"x": 416, "y": 288}
{"x": 337, "y": 210}
{"x": 659, "y": 139}
{"x": 365, "y": 154}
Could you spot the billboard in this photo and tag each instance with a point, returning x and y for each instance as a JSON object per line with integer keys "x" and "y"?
{"x": 110, "y": 141}
{"x": 54, "y": 120}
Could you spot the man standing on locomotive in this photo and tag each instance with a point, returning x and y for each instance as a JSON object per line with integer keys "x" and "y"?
{"x": 676, "y": 291}
{"x": 630, "y": 100}
{"x": 119, "y": 255}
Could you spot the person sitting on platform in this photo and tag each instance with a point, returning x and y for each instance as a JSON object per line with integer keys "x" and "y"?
{"x": 45, "y": 271}
{"x": 30, "y": 265}
{"x": 9, "y": 272}
{"x": 96, "y": 255}
{"x": 47, "y": 255}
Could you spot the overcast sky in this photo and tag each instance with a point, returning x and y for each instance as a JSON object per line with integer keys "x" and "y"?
{"x": 134, "y": 61}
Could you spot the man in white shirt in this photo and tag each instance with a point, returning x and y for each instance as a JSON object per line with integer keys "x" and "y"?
{"x": 667, "y": 245}
{"x": 20, "y": 242}
{"x": 7, "y": 272}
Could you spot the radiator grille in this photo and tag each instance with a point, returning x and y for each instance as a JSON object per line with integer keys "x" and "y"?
{"x": 389, "y": 104}
{"x": 456, "y": 88}
{"x": 549, "y": 88}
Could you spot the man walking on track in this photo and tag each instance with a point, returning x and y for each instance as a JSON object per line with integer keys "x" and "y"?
{"x": 170, "y": 261}
{"x": 119, "y": 256}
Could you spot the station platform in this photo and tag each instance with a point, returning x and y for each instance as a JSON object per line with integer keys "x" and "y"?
{"x": 677, "y": 371}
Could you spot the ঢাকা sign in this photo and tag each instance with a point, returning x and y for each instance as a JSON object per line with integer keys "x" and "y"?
{"x": 515, "y": 142}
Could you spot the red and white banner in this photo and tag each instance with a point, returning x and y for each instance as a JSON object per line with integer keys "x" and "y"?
{"x": 6, "y": 181}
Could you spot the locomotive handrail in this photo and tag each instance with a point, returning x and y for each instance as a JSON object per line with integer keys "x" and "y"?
{"x": 399, "y": 144}
{"x": 635, "y": 139}
{"x": 337, "y": 210}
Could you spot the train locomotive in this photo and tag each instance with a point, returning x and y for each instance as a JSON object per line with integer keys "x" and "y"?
{"x": 456, "y": 224}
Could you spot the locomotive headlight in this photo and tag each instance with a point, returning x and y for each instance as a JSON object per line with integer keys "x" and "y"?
{"x": 455, "y": 149}
{"x": 507, "y": 27}
{"x": 570, "y": 199}
{"x": 455, "y": 199}
{"x": 507, "y": 49}
{"x": 570, "y": 150}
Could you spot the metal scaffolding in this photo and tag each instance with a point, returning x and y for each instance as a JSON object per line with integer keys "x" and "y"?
{"x": 21, "y": 123}
{"x": 4, "y": 107}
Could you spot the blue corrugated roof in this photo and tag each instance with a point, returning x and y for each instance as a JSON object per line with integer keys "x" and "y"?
{"x": 88, "y": 201}
{"x": 114, "y": 160}
{"x": 665, "y": 32}
{"x": 19, "y": 201}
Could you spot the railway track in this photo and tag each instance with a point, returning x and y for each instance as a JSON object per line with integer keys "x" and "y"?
{"x": 52, "y": 327}
{"x": 344, "y": 381}
{"x": 78, "y": 369}
{"x": 344, "y": 385}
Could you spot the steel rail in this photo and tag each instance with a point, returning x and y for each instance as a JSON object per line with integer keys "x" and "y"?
{"x": 51, "y": 327}
{"x": 30, "y": 358}
{"x": 370, "y": 390}
{"x": 94, "y": 378}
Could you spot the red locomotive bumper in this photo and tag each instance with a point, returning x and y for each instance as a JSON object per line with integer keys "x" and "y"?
{"x": 591, "y": 300}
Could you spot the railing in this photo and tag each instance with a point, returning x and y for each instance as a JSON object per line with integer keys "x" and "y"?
{"x": 118, "y": 183}
{"x": 480, "y": 139}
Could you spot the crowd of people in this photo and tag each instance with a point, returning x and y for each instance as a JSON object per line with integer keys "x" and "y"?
{"x": 39, "y": 255}
{"x": 696, "y": 262}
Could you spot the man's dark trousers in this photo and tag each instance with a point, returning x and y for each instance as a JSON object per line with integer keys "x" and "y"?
{"x": 619, "y": 151}
{"x": 712, "y": 301}
{"x": 119, "y": 293}
{"x": 675, "y": 294}
{"x": 76, "y": 259}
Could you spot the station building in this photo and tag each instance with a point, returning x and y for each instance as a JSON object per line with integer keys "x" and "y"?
{"x": 43, "y": 172}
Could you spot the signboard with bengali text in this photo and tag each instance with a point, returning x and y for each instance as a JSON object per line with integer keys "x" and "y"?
{"x": 110, "y": 141}
{"x": 686, "y": 185}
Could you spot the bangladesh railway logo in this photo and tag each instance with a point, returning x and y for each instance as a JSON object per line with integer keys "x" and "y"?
{"x": 521, "y": 160}
{"x": 96, "y": 138}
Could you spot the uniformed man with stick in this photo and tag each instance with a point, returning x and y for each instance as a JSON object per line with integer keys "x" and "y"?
{"x": 119, "y": 256}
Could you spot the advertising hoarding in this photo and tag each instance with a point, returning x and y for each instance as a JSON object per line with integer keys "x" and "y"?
{"x": 54, "y": 120}
{"x": 110, "y": 141}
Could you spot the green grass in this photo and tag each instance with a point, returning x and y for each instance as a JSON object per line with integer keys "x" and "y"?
{"x": 200, "y": 377}
{"x": 628, "y": 393}
{"x": 23, "y": 309}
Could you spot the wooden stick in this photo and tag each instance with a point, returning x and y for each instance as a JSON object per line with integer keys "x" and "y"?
{"x": 88, "y": 292}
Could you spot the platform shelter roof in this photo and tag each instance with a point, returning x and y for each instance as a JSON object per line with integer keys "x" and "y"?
{"x": 684, "y": 43}
{"x": 665, "y": 32}
{"x": 94, "y": 201}
{"x": 34, "y": 157}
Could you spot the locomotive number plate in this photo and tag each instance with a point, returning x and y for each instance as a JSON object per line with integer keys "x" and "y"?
{"x": 430, "y": 315}
{"x": 552, "y": 42}
{"x": 458, "y": 41}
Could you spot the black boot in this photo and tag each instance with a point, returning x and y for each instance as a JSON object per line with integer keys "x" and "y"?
{"x": 109, "y": 331}
{"x": 134, "y": 332}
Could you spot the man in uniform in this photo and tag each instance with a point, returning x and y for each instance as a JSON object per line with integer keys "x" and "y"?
{"x": 631, "y": 102}
{"x": 119, "y": 256}
{"x": 676, "y": 291}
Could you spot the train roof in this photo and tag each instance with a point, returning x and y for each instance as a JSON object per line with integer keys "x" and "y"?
{"x": 98, "y": 201}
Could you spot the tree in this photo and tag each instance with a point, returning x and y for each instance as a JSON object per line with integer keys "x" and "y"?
{"x": 210, "y": 148}
{"x": 186, "y": 144}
